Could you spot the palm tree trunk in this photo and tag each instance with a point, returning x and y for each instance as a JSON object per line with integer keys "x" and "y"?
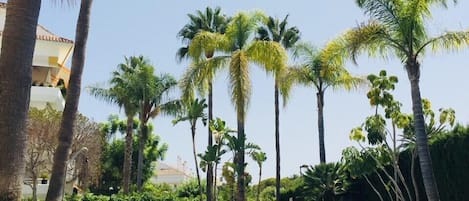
{"x": 322, "y": 149}
{"x": 19, "y": 39}
{"x": 196, "y": 161}
{"x": 429, "y": 181}
{"x": 241, "y": 194}
{"x": 57, "y": 184}
{"x": 277, "y": 143}
{"x": 141, "y": 147}
{"x": 259, "y": 183}
{"x": 210, "y": 185}
{"x": 128, "y": 155}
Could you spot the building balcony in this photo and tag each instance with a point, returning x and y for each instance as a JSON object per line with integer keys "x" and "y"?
{"x": 41, "y": 95}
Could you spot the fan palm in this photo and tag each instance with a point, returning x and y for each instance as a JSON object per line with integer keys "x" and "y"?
{"x": 242, "y": 50}
{"x": 18, "y": 41}
{"x": 154, "y": 98}
{"x": 212, "y": 20}
{"x": 119, "y": 94}
{"x": 276, "y": 30}
{"x": 321, "y": 70}
{"x": 66, "y": 132}
{"x": 192, "y": 112}
{"x": 398, "y": 27}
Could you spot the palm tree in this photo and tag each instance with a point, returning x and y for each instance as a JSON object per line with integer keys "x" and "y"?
{"x": 398, "y": 27}
{"x": 119, "y": 94}
{"x": 277, "y": 31}
{"x": 193, "y": 111}
{"x": 242, "y": 51}
{"x": 18, "y": 41}
{"x": 259, "y": 157}
{"x": 154, "y": 98}
{"x": 321, "y": 70}
{"x": 212, "y": 21}
{"x": 56, "y": 186}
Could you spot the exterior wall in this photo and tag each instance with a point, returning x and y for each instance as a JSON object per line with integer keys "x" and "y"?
{"x": 40, "y": 96}
{"x": 165, "y": 174}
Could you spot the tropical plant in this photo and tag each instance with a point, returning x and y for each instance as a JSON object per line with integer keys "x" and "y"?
{"x": 56, "y": 186}
{"x": 19, "y": 38}
{"x": 241, "y": 52}
{"x": 153, "y": 94}
{"x": 260, "y": 158}
{"x": 398, "y": 27}
{"x": 276, "y": 30}
{"x": 192, "y": 112}
{"x": 320, "y": 70}
{"x": 220, "y": 130}
{"x": 200, "y": 74}
{"x": 119, "y": 94}
{"x": 325, "y": 182}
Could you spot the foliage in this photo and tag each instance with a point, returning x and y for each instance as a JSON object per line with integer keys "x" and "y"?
{"x": 190, "y": 189}
{"x": 325, "y": 182}
{"x": 112, "y": 162}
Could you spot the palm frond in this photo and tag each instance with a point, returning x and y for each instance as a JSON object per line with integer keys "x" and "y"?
{"x": 240, "y": 83}
{"x": 269, "y": 54}
{"x": 449, "y": 41}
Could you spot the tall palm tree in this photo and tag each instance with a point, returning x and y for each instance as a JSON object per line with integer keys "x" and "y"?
{"x": 56, "y": 186}
{"x": 241, "y": 52}
{"x": 276, "y": 30}
{"x": 18, "y": 41}
{"x": 154, "y": 98}
{"x": 192, "y": 112}
{"x": 260, "y": 158}
{"x": 119, "y": 94}
{"x": 398, "y": 27}
{"x": 212, "y": 20}
{"x": 321, "y": 70}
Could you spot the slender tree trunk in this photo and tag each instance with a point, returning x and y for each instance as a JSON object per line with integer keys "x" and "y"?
{"x": 34, "y": 187}
{"x": 18, "y": 41}
{"x": 429, "y": 181}
{"x": 210, "y": 185}
{"x": 141, "y": 156}
{"x": 277, "y": 143}
{"x": 57, "y": 184}
{"x": 412, "y": 174}
{"x": 322, "y": 149}
{"x": 241, "y": 194}
{"x": 196, "y": 161}
{"x": 374, "y": 188}
{"x": 128, "y": 155}
{"x": 259, "y": 183}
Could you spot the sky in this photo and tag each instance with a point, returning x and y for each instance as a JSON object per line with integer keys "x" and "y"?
{"x": 149, "y": 28}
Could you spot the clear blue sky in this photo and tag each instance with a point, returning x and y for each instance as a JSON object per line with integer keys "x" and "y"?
{"x": 120, "y": 28}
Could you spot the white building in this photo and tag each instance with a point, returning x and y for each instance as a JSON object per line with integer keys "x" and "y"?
{"x": 50, "y": 56}
{"x": 166, "y": 174}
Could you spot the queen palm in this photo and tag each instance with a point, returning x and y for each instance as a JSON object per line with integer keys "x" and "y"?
{"x": 18, "y": 41}
{"x": 242, "y": 51}
{"x": 153, "y": 94}
{"x": 277, "y": 31}
{"x": 398, "y": 27}
{"x": 119, "y": 94}
{"x": 66, "y": 132}
{"x": 192, "y": 112}
{"x": 321, "y": 70}
{"x": 212, "y": 20}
